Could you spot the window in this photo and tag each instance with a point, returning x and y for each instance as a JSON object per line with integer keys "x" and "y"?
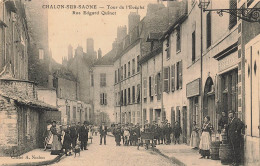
{"x": 129, "y": 69}
{"x": 103, "y": 99}
{"x": 68, "y": 113}
{"x": 102, "y": 79}
{"x": 232, "y": 15}
{"x": 41, "y": 53}
{"x": 129, "y": 95}
{"x": 122, "y": 97}
{"x": 145, "y": 87}
{"x": 151, "y": 115}
{"x": 125, "y": 71}
{"x": 122, "y": 73}
{"x": 125, "y": 97}
{"x": 133, "y": 115}
{"x": 92, "y": 80}
{"x": 150, "y": 86}
{"x": 168, "y": 49}
{"x": 173, "y": 77}
{"x": 166, "y": 72}
{"x": 133, "y": 66}
{"x": 155, "y": 84}
{"x": 138, "y": 66}
{"x": 138, "y": 93}
{"x": 116, "y": 99}
{"x": 159, "y": 86}
{"x": 208, "y": 29}
{"x": 86, "y": 113}
{"x": 138, "y": 117}
{"x": 118, "y": 73}
{"x": 178, "y": 39}
{"x": 115, "y": 77}
{"x": 74, "y": 112}
{"x": 133, "y": 94}
{"x": 193, "y": 47}
{"x": 179, "y": 75}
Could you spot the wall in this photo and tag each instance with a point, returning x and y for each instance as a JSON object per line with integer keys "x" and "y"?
{"x": 14, "y": 40}
{"x": 67, "y": 89}
{"x": 108, "y": 89}
{"x": 47, "y": 96}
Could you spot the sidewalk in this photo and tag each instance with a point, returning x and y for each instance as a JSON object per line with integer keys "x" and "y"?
{"x": 34, "y": 157}
{"x": 184, "y": 155}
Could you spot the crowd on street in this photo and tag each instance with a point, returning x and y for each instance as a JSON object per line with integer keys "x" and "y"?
{"x": 66, "y": 139}
{"x": 130, "y": 134}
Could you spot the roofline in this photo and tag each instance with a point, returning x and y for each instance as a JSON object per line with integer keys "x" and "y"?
{"x": 174, "y": 26}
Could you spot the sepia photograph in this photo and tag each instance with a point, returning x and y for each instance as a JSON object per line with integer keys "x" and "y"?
{"x": 130, "y": 82}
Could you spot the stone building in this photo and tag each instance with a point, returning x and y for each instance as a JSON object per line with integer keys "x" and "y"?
{"x": 248, "y": 82}
{"x": 14, "y": 38}
{"x": 151, "y": 68}
{"x": 39, "y": 60}
{"x": 102, "y": 88}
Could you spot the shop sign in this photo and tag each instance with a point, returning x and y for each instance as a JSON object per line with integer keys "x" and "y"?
{"x": 228, "y": 62}
{"x": 193, "y": 88}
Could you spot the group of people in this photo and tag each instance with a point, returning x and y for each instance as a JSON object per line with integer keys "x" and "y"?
{"x": 130, "y": 133}
{"x": 229, "y": 124}
{"x": 65, "y": 138}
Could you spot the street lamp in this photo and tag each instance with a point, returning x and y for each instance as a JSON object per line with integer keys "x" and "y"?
{"x": 246, "y": 14}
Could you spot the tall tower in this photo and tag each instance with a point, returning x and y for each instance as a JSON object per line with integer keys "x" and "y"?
{"x": 133, "y": 20}
{"x": 90, "y": 46}
{"x": 121, "y": 33}
{"x": 70, "y": 52}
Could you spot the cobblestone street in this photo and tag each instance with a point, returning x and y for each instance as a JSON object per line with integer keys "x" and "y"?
{"x": 112, "y": 155}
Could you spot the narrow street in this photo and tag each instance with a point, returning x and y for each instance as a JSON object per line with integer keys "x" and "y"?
{"x": 104, "y": 155}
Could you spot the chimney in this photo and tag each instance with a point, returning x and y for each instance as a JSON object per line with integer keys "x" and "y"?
{"x": 133, "y": 20}
{"x": 99, "y": 53}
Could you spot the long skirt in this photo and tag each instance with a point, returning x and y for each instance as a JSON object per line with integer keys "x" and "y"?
{"x": 205, "y": 144}
{"x": 56, "y": 145}
{"x": 195, "y": 141}
{"x": 49, "y": 138}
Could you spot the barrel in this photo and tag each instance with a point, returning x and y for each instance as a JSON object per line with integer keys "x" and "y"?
{"x": 214, "y": 150}
{"x": 225, "y": 154}
{"x": 224, "y": 136}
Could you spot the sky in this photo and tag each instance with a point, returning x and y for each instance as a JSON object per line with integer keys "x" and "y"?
{"x": 67, "y": 28}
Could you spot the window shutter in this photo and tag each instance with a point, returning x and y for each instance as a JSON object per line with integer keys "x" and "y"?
{"x": 101, "y": 99}
{"x": 155, "y": 84}
{"x": 166, "y": 79}
{"x": 180, "y": 66}
{"x": 145, "y": 86}
{"x": 105, "y": 99}
{"x": 152, "y": 86}
{"x": 173, "y": 78}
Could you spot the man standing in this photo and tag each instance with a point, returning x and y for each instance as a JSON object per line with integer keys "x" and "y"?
{"x": 83, "y": 136}
{"x": 234, "y": 127}
{"x": 222, "y": 121}
{"x": 73, "y": 134}
{"x": 177, "y": 132}
{"x": 103, "y": 133}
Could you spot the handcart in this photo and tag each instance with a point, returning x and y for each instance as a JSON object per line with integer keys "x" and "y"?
{"x": 147, "y": 138}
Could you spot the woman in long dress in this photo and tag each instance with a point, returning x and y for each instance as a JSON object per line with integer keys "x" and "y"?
{"x": 205, "y": 138}
{"x": 49, "y": 137}
{"x": 195, "y": 140}
{"x": 56, "y": 143}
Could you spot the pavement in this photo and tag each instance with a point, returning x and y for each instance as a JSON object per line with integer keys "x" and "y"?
{"x": 34, "y": 157}
{"x": 112, "y": 155}
{"x": 183, "y": 154}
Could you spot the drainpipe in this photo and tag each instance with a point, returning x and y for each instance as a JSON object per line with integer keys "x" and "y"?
{"x": 120, "y": 102}
{"x": 201, "y": 63}
{"x": 161, "y": 86}
{"x": 141, "y": 90}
